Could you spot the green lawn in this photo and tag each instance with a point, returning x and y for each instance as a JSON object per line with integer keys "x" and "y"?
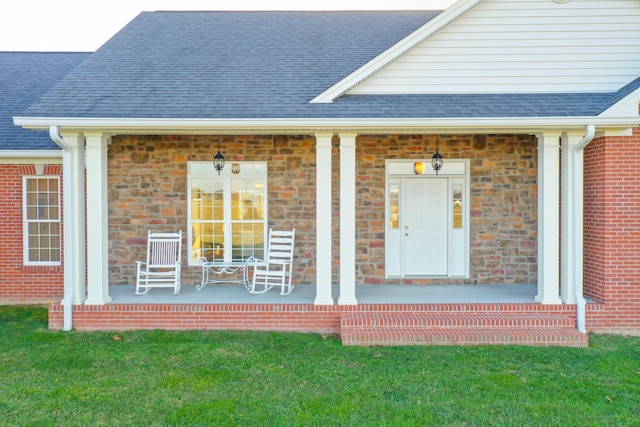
{"x": 209, "y": 378}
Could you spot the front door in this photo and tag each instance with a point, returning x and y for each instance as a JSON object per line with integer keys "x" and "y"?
{"x": 425, "y": 231}
{"x": 427, "y": 221}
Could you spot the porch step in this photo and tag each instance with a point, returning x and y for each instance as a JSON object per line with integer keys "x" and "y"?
{"x": 537, "y": 329}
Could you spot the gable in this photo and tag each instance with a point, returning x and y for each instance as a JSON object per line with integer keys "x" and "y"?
{"x": 522, "y": 46}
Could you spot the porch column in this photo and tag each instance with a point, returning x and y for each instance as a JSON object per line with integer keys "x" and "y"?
{"x": 548, "y": 217}
{"x": 73, "y": 201}
{"x": 323, "y": 219}
{"x": 347, "y": 219}
{"x": 97, "y": 220}
{"x": 571, "y": 216}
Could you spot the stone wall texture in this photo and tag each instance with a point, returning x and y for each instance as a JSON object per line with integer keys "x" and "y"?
{"x": 148, "y": 191}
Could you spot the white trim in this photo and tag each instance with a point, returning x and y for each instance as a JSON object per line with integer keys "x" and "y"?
{"x": 348, "y": 196}
{"x": 30, "y": 156}
{"x": 26, "y": 221}
{"x": 319, "y": 125}
{"x": 395, "y": 51}
{"x": 626, "y": 106}
{"x": 97, "y": 219}
{"x": 548, "y": 218}
{"x": 324, "y": 212}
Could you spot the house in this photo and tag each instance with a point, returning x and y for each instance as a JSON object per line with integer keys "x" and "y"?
{"x": 330, "y": 117}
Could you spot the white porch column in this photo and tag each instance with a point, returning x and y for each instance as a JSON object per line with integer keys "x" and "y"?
{"x": 323, "y": 219}
{"x": 73, "y": 202}
{"x": 571, "y": 216}
{"x": 97, "y": 220}
{"x": 548, "y": 217}
{"x": 347, "y": 219}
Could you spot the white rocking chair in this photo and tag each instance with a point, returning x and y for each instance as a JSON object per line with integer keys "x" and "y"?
{"x": 277, "y": 268}
{"x": 162, "y": 269}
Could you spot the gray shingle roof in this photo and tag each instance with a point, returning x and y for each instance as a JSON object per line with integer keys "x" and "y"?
{"x": 24, "y": 77}
{"x": 269, "y": 65}
{"x": 224, "y": 64}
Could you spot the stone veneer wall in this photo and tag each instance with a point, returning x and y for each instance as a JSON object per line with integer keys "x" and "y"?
{"x": 148, "y": 190}
{"x": 503, "y": 203}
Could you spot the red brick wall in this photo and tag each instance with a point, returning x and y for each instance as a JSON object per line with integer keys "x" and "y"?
{"x": 612, "y": 232}
{"x": 20, "y": 284}
{"x": 271, "y": 317}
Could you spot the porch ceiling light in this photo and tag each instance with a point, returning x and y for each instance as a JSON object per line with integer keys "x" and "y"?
{"x": 418, "y": 168}
{"x": 437, "y": 160}
{"x": 218, "y": 160}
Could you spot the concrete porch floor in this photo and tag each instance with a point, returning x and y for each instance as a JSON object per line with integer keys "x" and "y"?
{"x": 305, "y": 294}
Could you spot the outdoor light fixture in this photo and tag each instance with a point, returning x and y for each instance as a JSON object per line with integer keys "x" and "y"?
{"x": 418, "y": 168}
{"x": 436, "y": 160}
{"x": 218, "y": 160}
{"x": 235, "y": 168}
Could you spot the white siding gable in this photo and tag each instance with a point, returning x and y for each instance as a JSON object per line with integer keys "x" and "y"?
{"x": 522, "y": 46}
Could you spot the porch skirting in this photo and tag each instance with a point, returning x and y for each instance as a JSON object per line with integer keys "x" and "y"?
{"x": 266, "y": 317}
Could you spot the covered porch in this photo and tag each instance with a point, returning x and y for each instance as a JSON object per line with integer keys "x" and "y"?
{"x": 112, "y": 237}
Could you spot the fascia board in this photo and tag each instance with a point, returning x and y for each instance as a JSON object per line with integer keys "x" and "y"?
{"x": 29, "y": 156}
{"x": 395, "y": 51}
{"x": 115, "y": 126}
{"x": 627, "y": 106}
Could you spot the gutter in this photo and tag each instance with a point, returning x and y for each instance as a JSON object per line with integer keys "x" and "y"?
{"x": 54, "y": 134}
{"x": 578, "y": 234}
{"x": 314, "y": 125}
{"x": 30, "y": 154}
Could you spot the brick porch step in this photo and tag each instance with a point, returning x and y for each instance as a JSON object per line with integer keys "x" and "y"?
{"x": 537, "y": 329}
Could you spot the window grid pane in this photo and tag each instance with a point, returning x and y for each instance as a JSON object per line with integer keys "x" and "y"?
{"x": 42, "y": 220}
{"x": 227, "y": 215}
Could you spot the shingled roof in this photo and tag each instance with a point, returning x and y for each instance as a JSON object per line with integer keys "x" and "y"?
{"x": 225, "y": 65}
{"x": 24, "y": 77}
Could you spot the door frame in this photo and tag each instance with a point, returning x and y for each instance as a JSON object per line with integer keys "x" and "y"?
{"x": 458, "y": 243}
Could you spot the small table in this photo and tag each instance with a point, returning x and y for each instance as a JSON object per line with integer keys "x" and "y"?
{"x": 216, "y": 268}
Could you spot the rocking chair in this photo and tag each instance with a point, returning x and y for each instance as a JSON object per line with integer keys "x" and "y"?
{"x": 162, "y": 269}
{"x": 277, "y": 268}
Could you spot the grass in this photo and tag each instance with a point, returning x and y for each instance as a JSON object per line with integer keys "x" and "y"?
{"x": 162, "y": 378}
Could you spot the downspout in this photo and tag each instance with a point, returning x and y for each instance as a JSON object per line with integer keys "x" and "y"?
{"x": 68, "y": 229}
{"x": 578, "y": 194}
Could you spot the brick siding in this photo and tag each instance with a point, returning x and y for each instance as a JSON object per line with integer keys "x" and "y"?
{"x": 612, "y": 232}
{"x": 20, "y": 284}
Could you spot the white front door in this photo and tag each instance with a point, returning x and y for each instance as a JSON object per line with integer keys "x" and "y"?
{"x": 425, "y": 230}
{"x": 427, "y": 221}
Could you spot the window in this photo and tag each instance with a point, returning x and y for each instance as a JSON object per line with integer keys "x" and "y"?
{"x": 227, "y": 212}
{"x": 394, "y": 206}
{"x": 457, "y": 205}
{"x": 41, "y": 207}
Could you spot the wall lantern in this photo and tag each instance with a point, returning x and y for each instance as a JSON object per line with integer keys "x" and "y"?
{"x": 437, "y": 160}
{"x": 235, "y": 168}
{"x": 218, "y": 160}
{"x": 418, "y": 168}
